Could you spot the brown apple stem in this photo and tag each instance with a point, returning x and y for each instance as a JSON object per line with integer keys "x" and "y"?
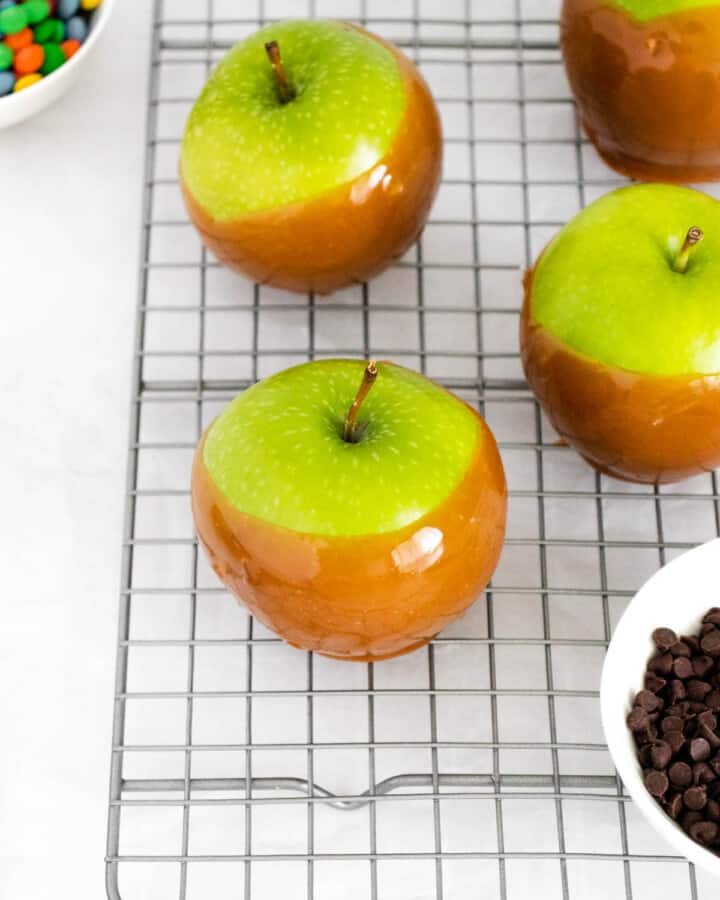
{"x": 694, "y": 236}
{"x": 283, "y": 86}
{"x": 369, "y": 376}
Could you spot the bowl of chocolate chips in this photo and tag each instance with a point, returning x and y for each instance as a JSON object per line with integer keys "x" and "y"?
{"x": 660, "y": 700}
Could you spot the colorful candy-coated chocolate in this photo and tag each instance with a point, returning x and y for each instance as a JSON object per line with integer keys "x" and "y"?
{"x": 6, "y": 57}
{"x": 70, "y": 48}
{"x": 54, "y": 58}
{"x": 45, "y": 31}
{"x": 19, "y": 40}
{"x": 27, "y": 81}
{"x": 13, "y": 19}
{"x": 29, "y": 59}
{"x": 36, "y": 10}
{"x": 66, "y": 9}
{"x": 4, "y": 4}
{"x": 90, "y": 4}
{"x": 76, "y": 29}
{"x": 7, "y": 83}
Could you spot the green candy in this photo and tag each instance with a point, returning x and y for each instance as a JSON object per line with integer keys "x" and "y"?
{"x": 52, "y": 30}
{"x": 54, "y": 58}
{"x": 13, "y": 19}
{"x": 36, "y": 10}
{"x": 6, "y": 57}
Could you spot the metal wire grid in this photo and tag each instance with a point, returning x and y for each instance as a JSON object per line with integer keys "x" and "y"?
{"x": 476, "y": 767}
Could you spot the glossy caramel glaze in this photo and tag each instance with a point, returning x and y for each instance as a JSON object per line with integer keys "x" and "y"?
{"x": 350, "y": 233}
{"x": 361, "y": 598}
{"x": 637, "y": 427}
{"x": 648, "y": 92}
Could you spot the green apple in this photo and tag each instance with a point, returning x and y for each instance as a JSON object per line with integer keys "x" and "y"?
{"x": 356, "y": 510}
{"x": 620, "y": 333}
{"x": 606, "y": 285}
{"x": 312, "y": 156}
{"x": 278, "y": 451}
{"x": 246, "y": 150}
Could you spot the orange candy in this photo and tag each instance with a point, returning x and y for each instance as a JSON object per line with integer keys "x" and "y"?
{"x": 29, "y": 59}
{"x": 70, "y": 48}
{"x": 19, "y": 40}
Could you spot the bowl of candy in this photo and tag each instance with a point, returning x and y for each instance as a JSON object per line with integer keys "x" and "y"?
{"x": 43, "y": 46}
{"x": 660, "y": 703}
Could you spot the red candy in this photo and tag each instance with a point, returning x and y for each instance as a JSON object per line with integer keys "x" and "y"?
{"x": 29, "y": 59}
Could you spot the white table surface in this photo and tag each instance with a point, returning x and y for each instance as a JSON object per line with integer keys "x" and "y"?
{"x": 70, "y": 189}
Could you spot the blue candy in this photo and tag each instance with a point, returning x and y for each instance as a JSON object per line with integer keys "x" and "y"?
{"x": 7, "y": 83}
{"x": 5, "y": 3}
{"x": 76, "y": 29}
{"x": 66, "y": 9}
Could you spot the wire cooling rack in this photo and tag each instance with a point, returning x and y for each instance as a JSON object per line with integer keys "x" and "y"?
{"x": 476, "y": 767}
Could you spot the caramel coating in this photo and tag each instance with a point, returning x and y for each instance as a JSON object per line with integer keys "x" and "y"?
{"x": 352, "y": 232}
{"x": 361, "y": 598}
{"x": 638, "y": 427}
{"x": 648, "y": 92}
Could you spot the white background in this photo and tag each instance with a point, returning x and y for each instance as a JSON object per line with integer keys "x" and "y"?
{"x": 70, "y": 191}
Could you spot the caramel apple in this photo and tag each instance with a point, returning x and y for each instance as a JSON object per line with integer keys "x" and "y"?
{"x": 646, "y": 77}
{"x": 355, "y": 510}
{"x": 312, "y": 156}
{"x": 620, "y": 333}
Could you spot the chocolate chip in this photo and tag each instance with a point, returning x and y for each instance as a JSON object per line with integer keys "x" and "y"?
{"x": 677, "y": 690}
{"x": 698, "y": 690}
{"x": 705, "y": 629}
{"x": 654, "y": 683}
{"x": 710, "y": 736}
{"x": 707, "y": 719}
{"x": 675, "y": 739}
{"x": 657, "y": 784}
{"x": 648, "y": 701}
{"x": 680, "y": 649}
{"x": 692, "y": 642}
{"x": 713, "y": 700}
{"x": 712, "y": 810}
{"x": 689, "y": 818}
{"x": 694, "y": 798}
{"x": 699, "y": 749}
{"x": 664, "y": 638}
{"x": 638, "y": 719}
{"x": 680, "y": 774}
{"x": 710, "y": 642}
{"x": 674, "y": 805}
{"x": 704, "y": 832}
{"x": 702, "y": 773}
{"x": 661, "y": 664}
{"x": 670, "y": 723}
{"x": 712, "y": 616}
{"x": 661, "y": 754}
{"x": 683, "y": 668}
{"x": 703, "y": 665}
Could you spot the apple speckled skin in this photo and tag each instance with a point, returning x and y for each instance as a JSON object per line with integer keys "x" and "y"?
{"x": 646, "y": 77}
{"x": 363, "y": 550}
{"x": 622, "y": 352}
{"x": 323, "y": 190}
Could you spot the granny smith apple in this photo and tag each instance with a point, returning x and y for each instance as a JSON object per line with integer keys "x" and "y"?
{"x": 646, "y": 76}
{"x": 621, "y": 332}
{"x": 312, "y": 155}
{"x": 355, "y": 509}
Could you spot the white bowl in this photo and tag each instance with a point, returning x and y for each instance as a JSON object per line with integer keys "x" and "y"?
{"x": 16, "y": 107}
{"x": 677, "y": 597}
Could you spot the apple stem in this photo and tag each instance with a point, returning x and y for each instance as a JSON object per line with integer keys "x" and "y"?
{"x": 273, "y": 51}
{"x": 369, "y": 376}
{"x": 694, "y": 236}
